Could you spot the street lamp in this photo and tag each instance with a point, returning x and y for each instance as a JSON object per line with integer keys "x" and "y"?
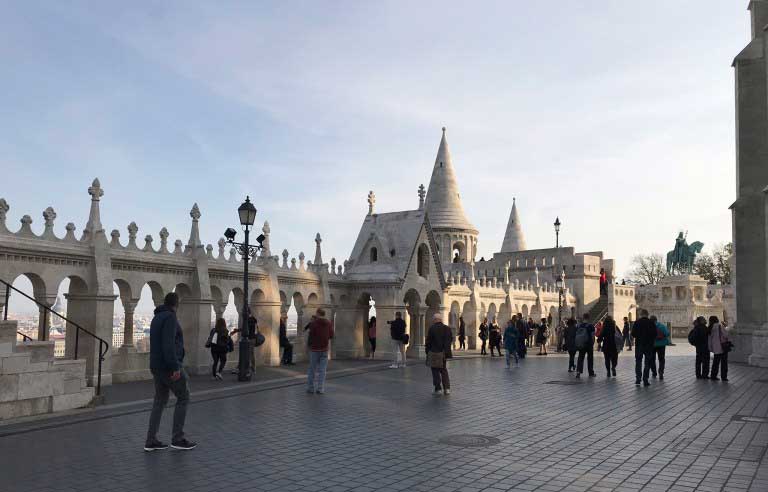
{"x": 560, "y": 283}
{"x": 557, "y": 232}
{"x": 247, "y": 214}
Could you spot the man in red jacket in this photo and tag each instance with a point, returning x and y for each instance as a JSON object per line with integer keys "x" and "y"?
{"x": 320, "y": 334}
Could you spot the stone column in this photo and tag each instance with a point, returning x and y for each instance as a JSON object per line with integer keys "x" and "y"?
{"x": 194, "y": 316}
{"x": 95, "y": 314}
{"x": 130, "y": 308}
{"x": 268, "y": 315}
{"x": 348, "y": 341}
{"x": 44, "y": 317}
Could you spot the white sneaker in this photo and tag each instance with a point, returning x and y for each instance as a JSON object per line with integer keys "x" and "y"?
{"x": 447, "y": 392}
{"x": 437, "y": 392}
{"x": 393, "y": 366}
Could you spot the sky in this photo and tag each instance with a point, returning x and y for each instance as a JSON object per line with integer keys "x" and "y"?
{"x": 618, "y": 116}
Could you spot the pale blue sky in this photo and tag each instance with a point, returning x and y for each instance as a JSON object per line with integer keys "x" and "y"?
{"x": 617, "y": 116}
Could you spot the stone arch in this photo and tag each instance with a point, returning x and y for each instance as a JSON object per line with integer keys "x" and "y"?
{"x": 183, "y": 290}
{"x": 492, "y": 312}
{"x": 469, "y": 314}
{"x": 453, "y": 317}
{"x": 524, "y": 311}
{"x": 258, "y": 295}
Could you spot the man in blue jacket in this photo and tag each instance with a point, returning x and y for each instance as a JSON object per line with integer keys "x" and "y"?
{"x": 658, "y": 359}
{"x": 166, "y": 357}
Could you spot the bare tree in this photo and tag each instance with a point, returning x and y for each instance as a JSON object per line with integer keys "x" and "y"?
{"x": 715, "y": 268}
{"x": 647, "y": 269}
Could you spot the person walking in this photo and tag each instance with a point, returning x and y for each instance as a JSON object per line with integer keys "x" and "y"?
{"x": 611, "y": 341}
{"x": 320, "y": 335}
{"x": 530, "y": 329}
{"x": 166, "y": 362}
{"x": 585, "y": 343}
{"x": 510, "y": 341}
{"x": 397, "y": 332}
{"x": 483, "y": 335}
{"x": 699, "y": 338}
{"x": 569, "y": 343}
{"x": 462, "y": 334}
{"x": 626, "y": 333}
{"x": 522, "y": 330}
{"x": 220, "y": 343}
{"x": 285, "y": 344}
{"x": 372, "y": 335}
{"x": 719, "y": 345}
{"x": 438, "y": 347}
{"x": 644, "y": 333}
{"x": 659, "y": 348}
{"x": 542, "y": 333}
{"x": 495, "y": 337}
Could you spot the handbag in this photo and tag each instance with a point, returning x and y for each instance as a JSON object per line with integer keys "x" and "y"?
{"x": 209, "y": 342}
{"x": 727, "y": 346}
{"x": 258, "y": 340}
{"x": 436, "y": 360}
{"x": 406, "y": 338}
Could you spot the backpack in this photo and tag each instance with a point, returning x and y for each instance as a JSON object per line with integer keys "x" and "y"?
{"x": 660, "y": 333}
{"x": 692, "y": 337}
{"x": 619, "y": 339}
{"x": 582, "y": 337}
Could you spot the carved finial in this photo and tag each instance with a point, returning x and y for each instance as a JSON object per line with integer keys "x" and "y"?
{"x": 94, "y": 217}
{"x": 194, "y": 234}
{"x": 132, "y": 230}
{"x": 266, "y": 250}
{"x": 209, "y": 251}
{"x": 265, "y": 229}
{"x": 115, "y": 234}
{"x": 422, "y": 194}
{"x": 195, "y": 212}
{"x": 177, "y": 247}
{"x": 285, "y": 258}
{"x": 371, "y": 201}
{"x": 49, "y": 215}
{"x": 95, "y": 190}
{"x": 301, "y": 260}
{"x": 148, "y": 243}
{"x": 333, "y": 265}
{"x": 318, "y": 252}
{"x": 222, "y": 244}
{"x": 293, "y": 263}
{"x": 70, "y": 236}
{"x": 4, "y": 208}
{"x": 164, "y": 240}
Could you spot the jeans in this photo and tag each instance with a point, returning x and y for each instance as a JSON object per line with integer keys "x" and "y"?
{"x": 643, "y": 368}
{"x": 287, "y": 353}
{"x": 496, "y": 346}
{"x": 702, "y": 362}
{"x": 571, "y": 359}
{"x": 399, "y": 352}
{"x": 163, "y": 386}
{"x": 440, "y": 378}
{"x": 462, "y": 344}
{"x": 252, "y": 348}
{"x": 482, "y": 347}
{"x": 220, "y": 359}
{"x": 720, "y": 361}
{"x": 611, "y": 359}
{"x": 628, "y": 342}
{"x": 509, "y": 354}
{"x": 318, "y": 363}
{"x": 658, "y": 353}
{"x": 590, "y": 360}
{"x": 373, "y": 345}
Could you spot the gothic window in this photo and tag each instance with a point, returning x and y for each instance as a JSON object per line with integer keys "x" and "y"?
{"x": 422, "y": 261}
{"x": 374, "y": 255}
{"x": 392, "y": 252}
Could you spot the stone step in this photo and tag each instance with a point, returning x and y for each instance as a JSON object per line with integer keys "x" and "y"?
{"x": 38, "y": 351}
{"x": 72, "y": 367}
{"x": 81, "y": 399}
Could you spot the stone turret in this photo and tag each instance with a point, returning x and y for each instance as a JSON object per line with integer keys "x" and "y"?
{"x": 759, "y": 16}
{"x": 453, "y": 231}
{"x": 514, "y": 240}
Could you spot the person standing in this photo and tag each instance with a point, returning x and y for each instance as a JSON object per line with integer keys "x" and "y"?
{"x": 720, "y": 345}
{"x": 320, "y": 335}
{"x": 462, "y": 334}
{"x": 285, "y": 344}
{"x": 626, "y": 333}
{"x": 542, "y": 334}
{"x": 585, "y": 343}
{"x": 522, "y": 330}
{"x": 372, "y": 335}
{"x": 397, "y": 332}
{"x": 495, "y": 337}
{"x": 510, "y": 341}
{"x": 699, "y": 338}
{"x": 219, "y": 342}
{"x": 166, "y": 362}
{"x": 603, "y": 282}
{"x": 438, "y": 347}
{"x": 569, "y": 343}
{"x": 608, "y": 341}
{"x": 659, "y": 348}
{"x": 530, "y": 328}
{"x": 483, "y": 335}
{"x": 644, "y": 333}
{"x": 253, "y": 330}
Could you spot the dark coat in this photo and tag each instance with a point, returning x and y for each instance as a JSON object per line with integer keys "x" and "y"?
{"x": 397, "y": 329}
{"x": 439, "y": 338}
{"x": 701, "y": 338}
{"x": 570, "y": 338}
{"x": 608, "y": 338}
{"x": 462, "y": 329}
{"x": 644, "y": 333}
{"x": 166, "y": 341}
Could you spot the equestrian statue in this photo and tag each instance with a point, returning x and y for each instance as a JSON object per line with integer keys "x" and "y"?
{"x": 680, "y": 260}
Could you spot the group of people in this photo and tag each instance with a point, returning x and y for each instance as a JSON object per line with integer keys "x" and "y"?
{"x": 526, "y": 334}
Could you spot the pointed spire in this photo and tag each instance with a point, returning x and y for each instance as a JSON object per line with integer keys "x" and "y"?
{"x": 513, "y": 238}
{"x": 318, "y": 254}
{"x": 194, "y": 233}
{"x": 443, "y": 203}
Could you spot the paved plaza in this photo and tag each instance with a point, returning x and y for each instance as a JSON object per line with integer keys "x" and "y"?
{"x": 381, "y": 429}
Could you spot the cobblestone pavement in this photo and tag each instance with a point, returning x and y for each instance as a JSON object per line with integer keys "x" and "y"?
{"x": 381, "y": 431}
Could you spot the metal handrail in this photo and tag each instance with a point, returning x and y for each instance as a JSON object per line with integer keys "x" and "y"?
{"x": 103, "y": 345}
{"x": 25, "y": 337}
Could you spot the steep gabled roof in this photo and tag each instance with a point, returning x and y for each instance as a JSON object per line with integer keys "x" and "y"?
{"x": 443, "y": 202}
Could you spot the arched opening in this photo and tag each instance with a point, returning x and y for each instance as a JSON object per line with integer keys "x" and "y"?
{"x": 25, "y": 312}
{"x": 374, "y": 255}
{"x": 524, "y": 311}
{"x": 470, "y": 322}
{"x": 458, "y": 252}
{"x": 453, "y": 320}
{"x": 415, "y": 323}
{"x": 422, "y": 261}
{"x": 434, "y": 305}
{"x": 492, "y": 313}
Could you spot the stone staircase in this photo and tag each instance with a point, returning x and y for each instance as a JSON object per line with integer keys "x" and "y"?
{"x": 600, "y": 310}
{"x": 33, "y": 382}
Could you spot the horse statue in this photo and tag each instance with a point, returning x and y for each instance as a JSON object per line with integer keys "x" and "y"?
{"x": 680, "y": 260}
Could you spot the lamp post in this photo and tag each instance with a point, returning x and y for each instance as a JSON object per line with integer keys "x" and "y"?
{"x": 557, "y": 232}
{"x": 560, "y": 282}
{"x": 247, "y": 215}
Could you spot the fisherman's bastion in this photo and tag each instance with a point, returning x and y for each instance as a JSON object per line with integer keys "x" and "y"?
{"x": 419, "y": 261}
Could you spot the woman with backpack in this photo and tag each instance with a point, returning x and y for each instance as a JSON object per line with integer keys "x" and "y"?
{"x": 483, "y": 335}
{"x": 220, "y": 343}
{"x": 542, "y": 333}
{"x": 699, "y": 338}
{"x": 611, "y": 340}
{"x": 720, "y": 345}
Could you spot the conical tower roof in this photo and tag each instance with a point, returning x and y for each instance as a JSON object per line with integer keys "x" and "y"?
{"x": 443, "y": 203}
{"x": 513, "y": 238}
